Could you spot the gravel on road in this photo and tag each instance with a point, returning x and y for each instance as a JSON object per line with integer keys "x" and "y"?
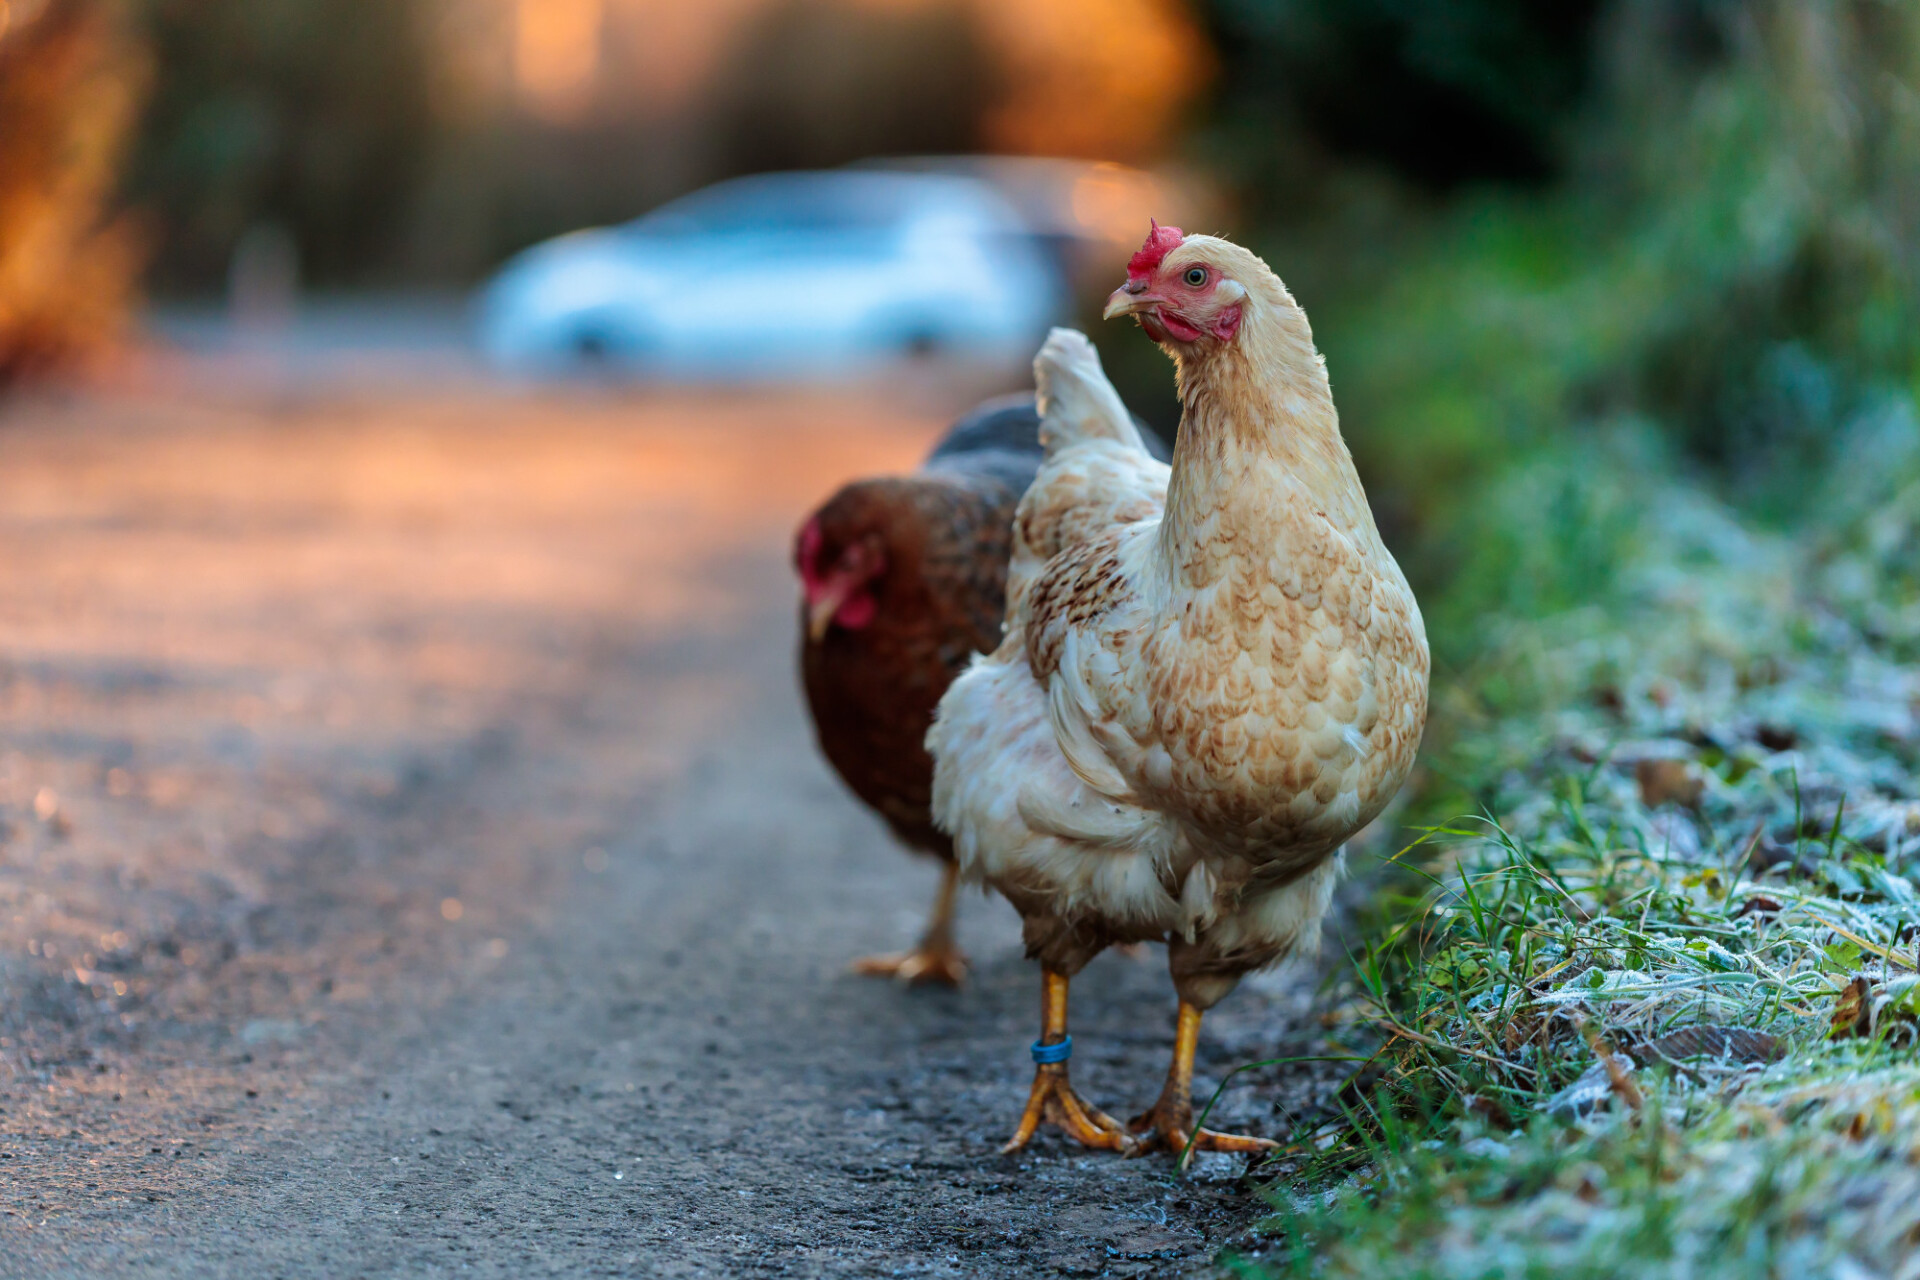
{"x": 414, "y": 860}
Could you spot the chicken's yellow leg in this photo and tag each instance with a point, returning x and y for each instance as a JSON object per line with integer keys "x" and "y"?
{"x": 1052, "y": 1098}
{"x": 936, "y": 958}
{"x": 1170, "y": 1123}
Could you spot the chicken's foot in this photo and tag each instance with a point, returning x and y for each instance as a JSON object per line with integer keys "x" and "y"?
{"x": 935, "y": 958}
{"x": 1052, "y": 1098}
{"x": 1168, "y": 1125}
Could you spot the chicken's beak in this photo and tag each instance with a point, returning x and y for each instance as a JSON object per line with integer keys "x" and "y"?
{"x": 822, "y": 607}
{"x": 1130, "y": 299}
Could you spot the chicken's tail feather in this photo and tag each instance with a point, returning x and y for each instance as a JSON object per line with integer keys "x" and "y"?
{"x": 1076, "y": 400}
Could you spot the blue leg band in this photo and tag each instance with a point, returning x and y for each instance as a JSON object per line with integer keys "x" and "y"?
{"x": 1047, "y": 1053}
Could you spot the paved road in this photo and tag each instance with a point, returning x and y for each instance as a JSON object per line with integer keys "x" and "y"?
{"x": 413, "y": 860}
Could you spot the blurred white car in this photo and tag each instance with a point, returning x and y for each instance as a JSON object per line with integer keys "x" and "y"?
{"x": 811, "y": 274}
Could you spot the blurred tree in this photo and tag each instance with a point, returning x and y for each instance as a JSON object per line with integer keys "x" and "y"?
{"x": 1344, "y": 126}
{"x": 1100, "y": 79}
{"x": 1438, "y": 91}
{"x": 813, "y": 83}
{"x": 420, "y": 140}
{"x": 1766, "y": 155}
{"x": 70, "y": 82}
{"x": 309, "y": 113}
{"x": 1724, "y": 272}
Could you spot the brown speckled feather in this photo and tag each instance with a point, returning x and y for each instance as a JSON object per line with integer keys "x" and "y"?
{"x": 1213, "y": 674}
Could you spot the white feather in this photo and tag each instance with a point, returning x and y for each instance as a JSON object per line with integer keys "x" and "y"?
{"x": 1072, "y": 710}
{"x": 1076, "y": 401}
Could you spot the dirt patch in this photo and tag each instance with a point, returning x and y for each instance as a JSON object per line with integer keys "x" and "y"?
{"x": 413, "y": 857}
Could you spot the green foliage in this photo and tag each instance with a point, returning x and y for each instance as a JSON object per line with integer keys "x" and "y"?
{"x": 1697, "y": 1194}
{"x": 1440, "y": 91}
{"x": 1647, "y": 440}
{"x": 1730, "y": 260}
{"x": 1696, "y": 843}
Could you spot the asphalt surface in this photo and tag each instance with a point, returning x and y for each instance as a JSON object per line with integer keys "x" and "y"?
{"x": 413, "y": 860}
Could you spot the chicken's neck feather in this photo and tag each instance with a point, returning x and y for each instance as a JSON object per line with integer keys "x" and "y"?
{"x": 1256, "y": 412}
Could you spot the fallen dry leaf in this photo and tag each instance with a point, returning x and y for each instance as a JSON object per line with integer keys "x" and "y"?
{"x": 1664, "y": 780}
{"x": 1852, "y": 1014}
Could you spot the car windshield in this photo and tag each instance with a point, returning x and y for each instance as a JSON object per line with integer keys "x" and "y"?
{"x": 851, "y": 211}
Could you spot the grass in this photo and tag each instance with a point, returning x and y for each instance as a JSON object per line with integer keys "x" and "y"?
{"x": 1696, "y": 1188}
{"x": 1650, "y": 1008}
{"x": 1639, "y": 997}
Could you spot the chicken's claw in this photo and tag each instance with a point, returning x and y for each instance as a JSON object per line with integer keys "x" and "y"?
{"x": 1052, "y": 1098}
{"x": 934, "y": 958}
{"x": 1054, "y": 1101}
{"x": 1170, "y": 1127}
{"x": 946, "y": 966}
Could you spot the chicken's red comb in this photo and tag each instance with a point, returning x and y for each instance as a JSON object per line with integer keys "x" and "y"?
{"x": 1161, "y": 241}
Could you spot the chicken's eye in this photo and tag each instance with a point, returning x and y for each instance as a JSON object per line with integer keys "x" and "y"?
{"x": 1196, "y": 276}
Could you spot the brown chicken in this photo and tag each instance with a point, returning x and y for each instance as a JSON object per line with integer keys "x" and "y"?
{"x": 903, "y": 580}
{"x": 1212, "y": 675}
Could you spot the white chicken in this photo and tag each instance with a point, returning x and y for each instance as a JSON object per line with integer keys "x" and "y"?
{"x": 1212, "y": 674}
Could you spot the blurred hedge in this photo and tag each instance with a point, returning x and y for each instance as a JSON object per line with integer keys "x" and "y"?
{"x": 1436, "y": 92}
{"x": 1716, "y": 277}
{"x": 352, "y": 125}
{"x": 312, "y": 114}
